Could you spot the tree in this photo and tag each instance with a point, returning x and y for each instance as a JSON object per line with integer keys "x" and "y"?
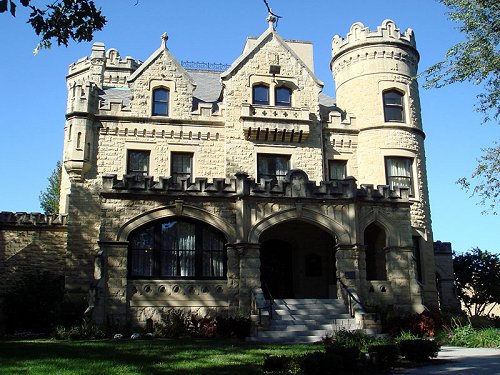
{"x": 61, "y": 20}
{"x": 486, "y": 178}
{"x": 476, "y": 60}
{"x": 477, "y": 278}
{"x": 49, "y": 199}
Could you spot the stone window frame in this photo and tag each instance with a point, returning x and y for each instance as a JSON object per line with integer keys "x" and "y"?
{"x": 161, "y": 84}
{"x": 154, "y": 251}
{"x": 390, "y": 107}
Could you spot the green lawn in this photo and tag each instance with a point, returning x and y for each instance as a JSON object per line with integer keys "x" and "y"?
{"x": 189, "y": 356}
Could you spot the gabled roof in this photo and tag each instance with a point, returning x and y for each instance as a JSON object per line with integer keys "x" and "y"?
{"x": 262, "y": 40}
{"x": 156, "y": 54}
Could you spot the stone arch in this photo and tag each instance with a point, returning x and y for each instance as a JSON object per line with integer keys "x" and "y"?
{"x": 316, "y": 218}
{"x": 375, "y": 241}
{"x": 179, "y": 210}
{"x": 380, "y": 219}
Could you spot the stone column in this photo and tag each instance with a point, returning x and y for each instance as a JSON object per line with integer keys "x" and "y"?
{"x": 350, "y": 267}
{"x": 401, "y": 273}
{"x": 233, "y": 277}
{"x": 115, "y": 287}
{"x": 249, "y": 277}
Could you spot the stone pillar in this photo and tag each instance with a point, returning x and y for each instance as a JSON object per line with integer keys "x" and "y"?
{"x": 406, "y": 290}
{"x": 115, "y": 287}
{"x": 350, "y": 267}
{"x": 249, "y": 277}
{"x": 233, "y": 277}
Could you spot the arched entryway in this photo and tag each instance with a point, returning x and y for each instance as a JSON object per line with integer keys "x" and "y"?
{"x": 298, "y": 261}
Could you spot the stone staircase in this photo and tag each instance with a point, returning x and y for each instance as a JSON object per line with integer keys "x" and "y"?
{"x": 304, "y": 320}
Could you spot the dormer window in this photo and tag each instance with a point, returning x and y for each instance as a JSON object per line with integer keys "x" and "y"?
{"x": 283, "y": 97}
{"x": 260, "y": 95}
{"x": 393, "y": 106}
{"x": 161, "y": 98}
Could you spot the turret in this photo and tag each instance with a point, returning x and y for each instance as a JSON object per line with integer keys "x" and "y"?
{"x": 374, "y": 73}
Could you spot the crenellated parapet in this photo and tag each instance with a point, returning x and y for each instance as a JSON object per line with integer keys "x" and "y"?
{"x": 359, "y": 34}
{"x": 32, "y": 219}
{"x": 362, "y": 47}
{"x": 295, "y": 185}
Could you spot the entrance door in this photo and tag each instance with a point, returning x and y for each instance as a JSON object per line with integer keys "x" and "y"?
{"x": 276, "y": 269}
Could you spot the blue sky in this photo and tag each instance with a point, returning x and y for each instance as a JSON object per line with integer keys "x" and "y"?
{"x": 33, "y": 91}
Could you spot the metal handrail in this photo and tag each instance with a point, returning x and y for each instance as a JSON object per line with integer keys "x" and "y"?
{"x": 271, "y": 302}
{"x": 351, "y": 298}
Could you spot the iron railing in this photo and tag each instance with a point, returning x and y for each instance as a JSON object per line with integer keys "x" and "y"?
{"x": 350, "y": 298}
{"x": 197, "y": 65}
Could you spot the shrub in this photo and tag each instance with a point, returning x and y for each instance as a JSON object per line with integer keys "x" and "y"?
{"x": 384, "y": 355}
{"x": 320, "y": 363}
{"x": 85, "y": 331}
{"x": 174, "y": 324}
{"x": 281, "y": 364}
{"x": 203, "y": 326}
{"x": 357, "y": 339}
{"x": 426, "y": 324}
{"x": 33, "y": 303}
{"x": 418, "y": 350}
{"x": 466, "y": 335}
{"x": 238, "y": 326}
{"x": 349, "y": 354}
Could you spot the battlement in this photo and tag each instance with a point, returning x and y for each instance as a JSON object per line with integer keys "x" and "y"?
{"x": 360, "y": 35}
{"x": 32, "y": 219}
{"x": 295, "y": 185}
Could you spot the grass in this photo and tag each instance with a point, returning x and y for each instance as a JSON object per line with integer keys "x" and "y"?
{"x": 158, "y": 356}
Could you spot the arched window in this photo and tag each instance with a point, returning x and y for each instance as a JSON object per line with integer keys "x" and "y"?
{"x": 283, "y": 96}
{"x": 260, "y": 94}
{"x": 393, "y": 106}
{"x": 161, "y": 98}
{"x": 375, "y": 253}
{"x": 177, "y": 249}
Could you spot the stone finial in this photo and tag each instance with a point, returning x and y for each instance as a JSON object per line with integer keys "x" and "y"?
{"x": 271, "y": 19}
{"x": 164, "y": 38}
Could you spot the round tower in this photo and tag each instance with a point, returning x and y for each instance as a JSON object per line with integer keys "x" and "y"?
{"x": 374, "y": 73}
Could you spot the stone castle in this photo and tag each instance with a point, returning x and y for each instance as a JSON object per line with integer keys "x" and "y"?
{"x": 201, "y": 189}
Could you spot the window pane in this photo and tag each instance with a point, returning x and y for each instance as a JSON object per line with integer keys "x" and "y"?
{"x": 274, "y": 167}
{"x": 399, "y": 173}
{"x": 283, "y": 97}
{"x": 261, "y": 94}
{"x": 393, "y": 106}
{"x": 337, "y": 169}
{"x": 181, "y": 166}
{"x": 138, "y": 163}
{"x": 160, "y": 102}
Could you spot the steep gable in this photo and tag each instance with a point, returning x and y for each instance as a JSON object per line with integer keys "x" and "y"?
{"x": 162, "y": 70}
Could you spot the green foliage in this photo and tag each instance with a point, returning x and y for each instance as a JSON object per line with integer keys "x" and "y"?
{"x": 477, "y": 59}
{"x": 384, "y": 355}
{"x": 425, "y": 324}
{"x": 34, "y": 303}
{"x": 349, "y": 339}
{"x": 49, "y": 199}
{"x": 467, "y": 336}
{"x": 486, "y": 179}
{"x": 281, "y": 364}
{"x": 175, "y": 323}
{"x": 61, "y": 20}
{"x": 419, "y": 350}
{"x": 233, "y": 326}
{"x": 320, "y": 363}
{"x": 477, "y": 277}
{"x": 87, "y": 330}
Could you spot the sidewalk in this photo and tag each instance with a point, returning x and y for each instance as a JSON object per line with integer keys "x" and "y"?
{"x": 455, "y": 361}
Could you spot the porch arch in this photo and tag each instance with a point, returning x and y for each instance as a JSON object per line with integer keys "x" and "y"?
{"x": 313, "y": 217}
{"x": 179, "y": 210}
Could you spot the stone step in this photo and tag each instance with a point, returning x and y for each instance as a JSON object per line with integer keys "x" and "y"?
{"x": 299, "y": 327}
{"x": 291, "y": 301}
{"x": 290, "y": 334}
{"x": 308, "y": 311}
{"x": 315, "y": 317}
{"x": 287, "y": 340}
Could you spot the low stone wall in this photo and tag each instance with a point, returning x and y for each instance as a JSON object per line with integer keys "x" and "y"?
{"x": 30, "y": 243}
